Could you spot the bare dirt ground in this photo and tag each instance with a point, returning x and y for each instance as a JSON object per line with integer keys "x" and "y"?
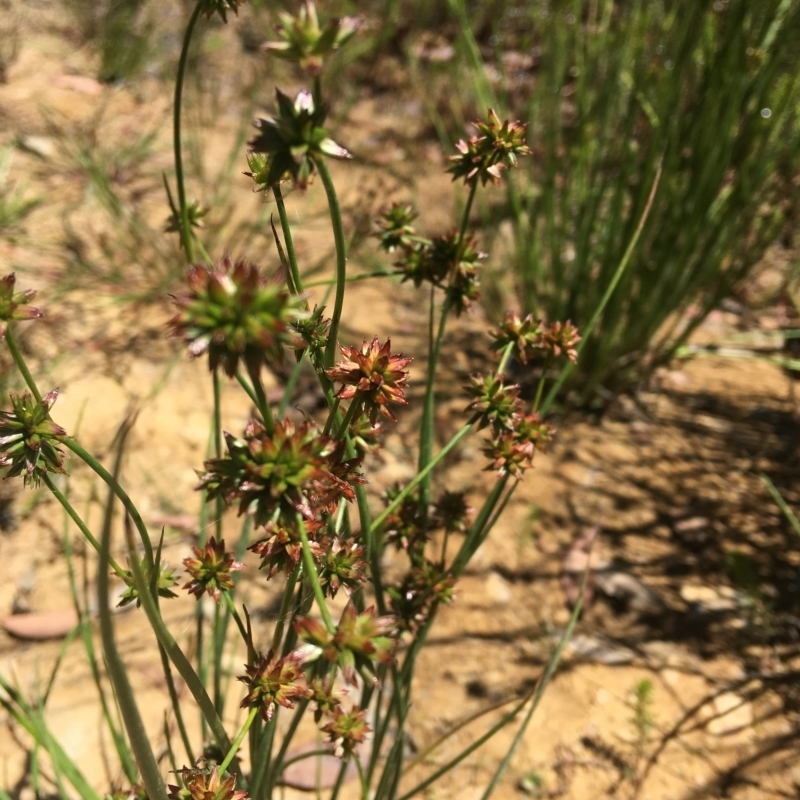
{"x": 697, "y": 575}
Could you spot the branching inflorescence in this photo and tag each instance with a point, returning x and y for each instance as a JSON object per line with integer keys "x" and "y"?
{"x": 297, "y": 481}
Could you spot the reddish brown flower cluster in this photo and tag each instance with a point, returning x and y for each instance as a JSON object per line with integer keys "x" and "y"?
{"x": 14, "y": 305}
{"x": 29, "y": 438}
{"x": 232, "y": 313}
{"x": 416, "y": 597}
{"x": 211, "y": 569}
{"x": 304, "y": 40}
{"x": 346, "y": 730}
{"x": 532, "y": 339}
{"x": 277, "y": 476}
{"x": 449, "y": 261}
{"x": 515, "y": 436}
{"x": 274, "y": 681}
{"x": 511, "y": 451}
{"x": 372, "y": 378}
{"x": 494, "y": 149}
{"x": 205, "y": 784}
{"x": 357, "y": 640}
{"x": 164, "y": 583}
{"x": 220, "y": 7}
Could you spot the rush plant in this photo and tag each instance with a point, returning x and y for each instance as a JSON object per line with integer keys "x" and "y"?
{"x": 302, "y": 487}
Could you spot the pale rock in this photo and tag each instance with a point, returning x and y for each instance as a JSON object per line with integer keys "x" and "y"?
{"x": 603, "y": 697}
{"x": 732, "y": 715}
{"x": 593, "y": 648}
{"x": 497, "y": 588}
{"x": 709, "y": 598}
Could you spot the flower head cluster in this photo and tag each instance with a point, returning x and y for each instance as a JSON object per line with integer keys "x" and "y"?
{"x": 281, "y": 548}
{"x": 276, "y": 476}
{"x": 495, "y": 148}
{"x": 221, "y": 7}
{"x": 230, "y": 312}
{"x": 424, "y": 587}
{"x": 346, "y": 730}
{"x": 511, "y": 451}
{"x": 313, "y": 330}
{"x": 395, "y": 229}
{"x": 293, "y": 138}
{"x": 302, "y": 39}
{"x": 533, "y": 339}
{"x": 28, "y": 438}
{"x": 357, "y": 640}
{"x": 452, "y": 512}
{"x": 14, "y": 305}
{"x": 495, "y": 401}
{"x": 406, "y": 527}
{"x": 515, "y": 436}
{"x": 325, "y": 699}
{"x": 166, "y": 580}
{"x": 205, "y": 784}
{"x": 211, "y": 569}
{"x": 343, "y": 565}
{"x": 274, "y": 681}
{"x": 372, "y": 378}
{"x": 194, "y": 212}
{"x": 449, "y": 261}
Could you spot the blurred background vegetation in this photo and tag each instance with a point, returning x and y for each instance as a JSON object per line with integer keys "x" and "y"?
{"x": 706, "y": 91}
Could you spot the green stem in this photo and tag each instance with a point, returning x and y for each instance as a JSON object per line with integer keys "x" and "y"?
{"x": 238, "y": 740}
{"x": 332, "y": 416}
{"x": 235, "y": 614}
{"x": 186, "y": 234}
{"x": 341, "y": 260}
{"x": 123, "y": 691}
{"x": 465, "y": 219}
{"x": 21, "y": 365}
{"x": 414, "y": 482}
{"x": 261, "y": 760}
{"x": 179, "y": 660}
{"x": 587, "y": 332}
{"x": 542, "y": 381}
{"x": 287, "y": 237}
{"x": 354, "y": 408}
{"x": 261, "y": 402}
{"x": 505, "y": 358}
{"x": 67, "y": 506}
{"x": 313, "y": 578}
{"x": 352, "y": 278}
{"x": 283, "y": 615}
{"x": 428, "y": 408}
{"x": 113, "y": 484}
{"x": 176, "y": 703}
{"x": 220, "y": 503}
{"x": 247, "y": 388}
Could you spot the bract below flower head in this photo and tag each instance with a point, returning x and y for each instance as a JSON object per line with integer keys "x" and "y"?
{"x": 14, "y": 305}
{"x": 293, "y": 138}
{"x": 302, "y": 39}
{"x": 231, "y": 312}
{"x": 28, "y": 438}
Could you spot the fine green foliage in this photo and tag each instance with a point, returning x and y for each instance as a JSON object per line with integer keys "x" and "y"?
{"x": 709, "y": 90}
